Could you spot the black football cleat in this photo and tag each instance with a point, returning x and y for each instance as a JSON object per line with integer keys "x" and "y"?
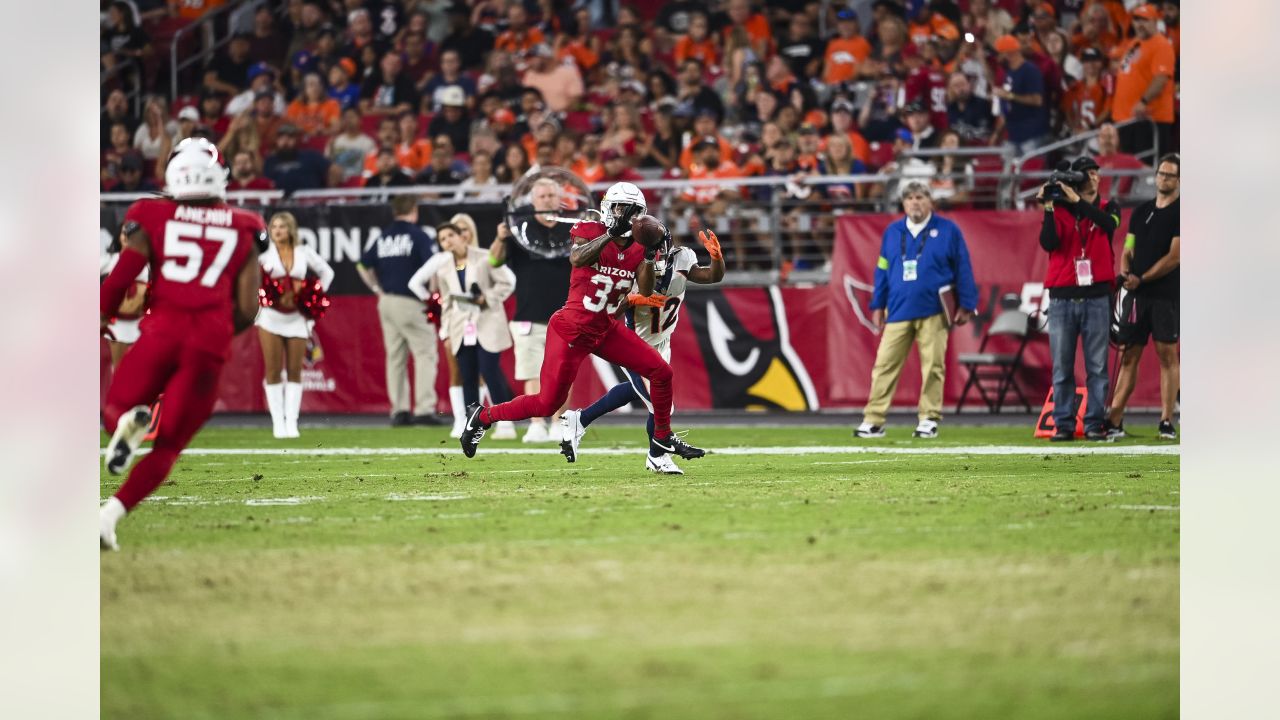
{"x": 473, "y": 432}
{"x": 674, "y": 445}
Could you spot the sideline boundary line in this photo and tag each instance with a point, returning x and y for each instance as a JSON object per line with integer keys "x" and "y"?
{"x": 774, "y": 450}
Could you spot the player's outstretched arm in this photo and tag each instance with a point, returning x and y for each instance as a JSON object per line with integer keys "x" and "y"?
{"x": 713, "y": 273}
{"x": 246, "y": 292}
{"x": 588, "y": 253}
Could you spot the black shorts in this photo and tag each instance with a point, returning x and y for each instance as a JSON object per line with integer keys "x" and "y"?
{"x": 1156, "y": 317}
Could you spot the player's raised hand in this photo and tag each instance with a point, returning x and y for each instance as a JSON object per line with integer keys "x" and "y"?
{"x": 638, "y": 300}
{"x": 711, "y": 243}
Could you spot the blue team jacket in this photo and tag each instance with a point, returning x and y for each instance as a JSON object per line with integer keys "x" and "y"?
{"x": 942, "y": 260}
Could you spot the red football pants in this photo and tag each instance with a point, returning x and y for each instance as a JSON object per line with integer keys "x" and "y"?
{"x": 560, "y": 363}
{"x": 163, "y": 361}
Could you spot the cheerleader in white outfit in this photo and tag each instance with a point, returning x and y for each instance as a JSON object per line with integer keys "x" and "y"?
{"x": 282, "y": 330}
{"x": 124, "y": 327}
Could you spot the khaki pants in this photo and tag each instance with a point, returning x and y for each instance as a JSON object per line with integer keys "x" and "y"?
{"x": 930, "y": 335}
{"x": 405, "y": 330}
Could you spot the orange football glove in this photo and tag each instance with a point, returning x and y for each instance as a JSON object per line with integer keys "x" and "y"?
{"x": 711, "y": 243}
{"x": 638, "y": 300}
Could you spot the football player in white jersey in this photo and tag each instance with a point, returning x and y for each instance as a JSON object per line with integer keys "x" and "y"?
{"x": 654, "y": 319}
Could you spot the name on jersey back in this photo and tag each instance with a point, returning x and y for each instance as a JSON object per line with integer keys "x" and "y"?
{"x": 203, "y": 215}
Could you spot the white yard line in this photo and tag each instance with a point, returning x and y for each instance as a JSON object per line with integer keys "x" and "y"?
{"x": 783, "y": 450}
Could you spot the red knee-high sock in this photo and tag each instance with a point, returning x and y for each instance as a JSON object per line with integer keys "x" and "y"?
{"x": 660, "y": 393}
{"x": 146, "y": 476}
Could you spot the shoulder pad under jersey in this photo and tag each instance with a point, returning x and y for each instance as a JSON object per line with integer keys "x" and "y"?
{"x": 587, "y": 230}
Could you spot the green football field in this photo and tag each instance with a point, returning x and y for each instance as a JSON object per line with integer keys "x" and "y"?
{"x": 377, "y": 573}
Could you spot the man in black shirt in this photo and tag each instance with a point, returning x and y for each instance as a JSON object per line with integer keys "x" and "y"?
{"x": 801, "y": 49}
{"x": 1149, "y": 267}
{"x": 387, "y": 91}
{"x": 542, "y": 284}
{"x": 228, "y": 72}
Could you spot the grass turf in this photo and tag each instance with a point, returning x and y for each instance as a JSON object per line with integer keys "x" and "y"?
{"x": 795, "y": 586}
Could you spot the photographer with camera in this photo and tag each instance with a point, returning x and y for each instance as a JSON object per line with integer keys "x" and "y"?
{"x": 1076, "y": 233}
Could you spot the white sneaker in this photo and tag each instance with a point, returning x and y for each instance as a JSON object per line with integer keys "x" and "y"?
{"x": 108, "y": 515}
{"x": 536, "y": 433}
{"x": 571, "y": 432}
{"x": 662, "y": 464}
{"x": 130, "y": 429}
{"x": 927, "y": 429}
{"x": 867, "y": 430}
{"x": 503, "y": 430}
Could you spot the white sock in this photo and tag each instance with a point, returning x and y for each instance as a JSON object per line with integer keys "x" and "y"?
{"x": 112, "y": 510}
{"x": 457, "y": 403}
{"x": 275, "y": 403}
{"x": 292, "y": 404}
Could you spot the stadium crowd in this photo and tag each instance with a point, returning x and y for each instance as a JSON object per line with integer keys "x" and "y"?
{"x": 379, "y": 93}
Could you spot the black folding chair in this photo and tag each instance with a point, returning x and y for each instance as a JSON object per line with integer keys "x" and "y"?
{"x": 994, "y": 374}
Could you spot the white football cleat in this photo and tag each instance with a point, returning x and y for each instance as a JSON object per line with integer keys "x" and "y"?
{"x": 130, "y": 429}
{"x": 867, "y": 430}
{"x": 108, "y": 515}
{"x": 571, "y": 432}
{"x": 662, "y": 464}
{"x": 537, "y": 432}
{"x": 503, "y": 430}
{"x": 927, "y": 429}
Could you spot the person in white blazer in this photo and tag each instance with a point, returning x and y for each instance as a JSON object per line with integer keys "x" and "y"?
{"x": 473, "y": 320}
{"x": 282, "y": 330}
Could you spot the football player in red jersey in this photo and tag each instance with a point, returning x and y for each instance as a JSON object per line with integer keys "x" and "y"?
{"x": 204, "y": 289}
{"x": 606, "y": 261}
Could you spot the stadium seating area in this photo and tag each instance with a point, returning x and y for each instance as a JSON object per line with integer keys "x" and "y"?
{"x": 311, "y": 92}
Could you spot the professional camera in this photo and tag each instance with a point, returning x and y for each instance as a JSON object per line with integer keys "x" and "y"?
{"x": 1065, "y": 175}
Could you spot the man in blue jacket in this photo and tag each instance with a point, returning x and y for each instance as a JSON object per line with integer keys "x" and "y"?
{"x": 923, "y": 258}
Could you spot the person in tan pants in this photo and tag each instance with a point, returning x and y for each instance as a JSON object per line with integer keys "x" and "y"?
{"x": 922, "y": 277}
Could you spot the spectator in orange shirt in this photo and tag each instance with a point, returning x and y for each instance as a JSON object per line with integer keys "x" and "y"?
{"x": 519, "y": 37}
{"x": 193, "y": 9}
{"x": 386, "y": 171}
{"x": 587, "y": 165}
{"x": 1087, "y": 103}
{"x": 704, "y": 126}
{"x": 580, "y": 43}
{"x": 930, "y": 24}
{"x": 756, "y": 26}
{"x": 1144, "y": 85}
{"x": 846, "y": 51}
{"x": 709, "y": 202}
{"x": 697, "y": 43}
{"x": 313, "y": 111}
{"x": 1043, "y": 22}
{"x": 412, "y": 152}
{"x": 1109, "y": 157}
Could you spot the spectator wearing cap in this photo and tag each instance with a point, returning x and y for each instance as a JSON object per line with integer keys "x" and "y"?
{"x": 704, "y": 126}
{"x": 387, "y": 91}
{"x": 920, "y": 255}
{"x": 520, "y": 36}
{"x": 348, "y": 149}
{"x": 842, "y": 123}
{"x": 313, "y": 111}
{"x": 1022, "y": 109}
{"x": 1076, "y": 232}
{"x": 808, "y": 145}
{"x": 560, "y": 83}
{"x": 754, "y": 24}
{"x": 131, "y": 176}
{"x": 967, "y": 115}
{"x": 846, "y": 51}
{"x": 188, "y": 121}
{"x": 387, "y": 171}
{"x": 262, "y": 79}
{"x": 917, "y": 119}
{"x": 452, "y": 119}
{"x": 228, "y": 71}
{"x": 293, "y": 169}
{"x": 244, "y": 173}
{"x": 1087, "y": 102}
{"x": 697, "y": 42}
{"x": 1110, "y": 157}
{"x": 1144, "y": 85}
{"x": 340, "y": 86}
{"x": 694, "y": 94}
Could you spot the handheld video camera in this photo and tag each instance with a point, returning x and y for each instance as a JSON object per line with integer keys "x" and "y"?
{"x": 1065, "y": 175}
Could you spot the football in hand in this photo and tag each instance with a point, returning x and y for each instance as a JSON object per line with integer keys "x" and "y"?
{"x": 648, "y": 231}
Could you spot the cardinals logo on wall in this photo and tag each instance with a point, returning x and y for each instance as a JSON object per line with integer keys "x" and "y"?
{"x": 313, "y": 375}
{"x": 748, "y": 371}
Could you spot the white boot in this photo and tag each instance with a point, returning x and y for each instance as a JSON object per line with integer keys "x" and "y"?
{"x": 459, "y": 407}
{"x": 292, "y": 404}
{"x": 504, "y": 430}
{"x": 275, "y": 403}
{"x": 108, "y": 515}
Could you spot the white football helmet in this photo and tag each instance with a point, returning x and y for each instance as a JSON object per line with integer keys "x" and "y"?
{"x": 196, "y": 171}
{"x": 617, "y": 197}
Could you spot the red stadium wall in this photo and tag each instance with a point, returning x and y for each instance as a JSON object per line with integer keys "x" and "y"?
{"x": 754, "y": 348}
